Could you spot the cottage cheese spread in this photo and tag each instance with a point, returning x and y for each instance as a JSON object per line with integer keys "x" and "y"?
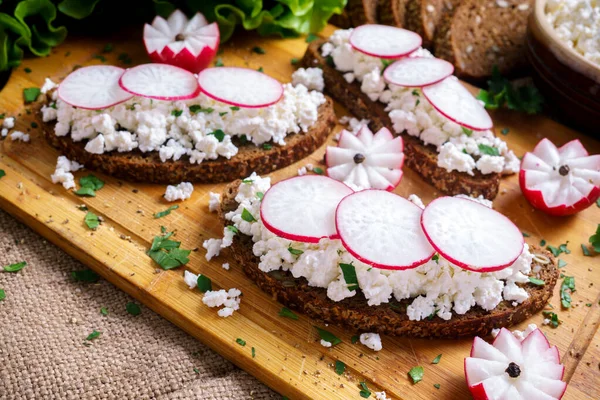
{"x": 200, "y": 129}
{"x": 459, "y": 149}
{"x": 63, "y": 172}
{"x": 577, "y": 23}
{"x": 312, "y": 78}
{"x": 436, "y": 287}
{"x": 183, "y": 191}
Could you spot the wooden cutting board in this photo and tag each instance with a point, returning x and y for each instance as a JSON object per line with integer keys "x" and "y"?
{"x": 288, "y": 356}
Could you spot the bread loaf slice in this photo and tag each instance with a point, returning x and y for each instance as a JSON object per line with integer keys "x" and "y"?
{"x": 362, "y": 12}
{"x": 419, "y": 157}
{"x": 356, "y": 315}
{"x": 422, "y": 17}
{"x": 482, "y": 33}
{"x": 392, "y": 12}
{"x": 147, "y": 167}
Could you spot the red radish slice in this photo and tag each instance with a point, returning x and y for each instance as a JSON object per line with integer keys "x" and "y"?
{"x": 560, "y": 181}
{"x": 93, "y": 88}
{"x": 189, "y": 44}
{"x": 515, "y": 370}
{"x": 160, "y": 82}
{"x": 384, "y": 41}
{"x": 242, "y": 87}
{"x": 471, "y": 235}
{"x": 418, "y": 71}
{"x": 457, "y": 104}
{"x": 303, "y": 208}
{"x": 382, "y": 229}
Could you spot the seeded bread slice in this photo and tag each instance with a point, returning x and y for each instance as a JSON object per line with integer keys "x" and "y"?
{"x": 355, "y": 314}
{"x": 483, "y": 33}
{"x": 419, "y": 157}
{"x": 422, "y": 17}
{"x": 362, "y": 12}
{"x": 392, "y": 12}
{"x": 147, "y": 167}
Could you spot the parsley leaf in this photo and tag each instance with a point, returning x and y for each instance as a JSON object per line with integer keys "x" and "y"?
{"x": 562, "y": 263}
{"x": 595, "y": 240}
{"x": 15, "y": 267}
{"x": 2, "y": 294}
{"x": 505, "y": 131}
{"x": 566, "y": 289}
{"x": 219, "y": 134}
{"x": 340, "y": 367}
{"x": 107, "y": 48}
{"x": 195, "y": 109}
{"x": 204, "y": 283}
{"x": 585, "y": 250}
{"x": 233, "y": 229}
{"x": 219, "y": 62}
{"x": 133, "y": 308}
{"x": 165, "y": 212}
{"x": 258, "y": 50}
{"x": 85, "y": 275}
{"x": 287, "y": 313}
{"x": 267, "y": 146}
{"x": 525, "y": 234}
{"x": 253, "y": 353}
{"x": 234, "y": 108}
{"x": 311, "y": 38}
{"x": 104, "y": 311}
{"x": 416, "y": 374}
{"x": 295, "y": 252}
{"x": 247, "y": 216}
{"x": 176, "y": 113}
{"x": 536, "y": 281}
{"x": 241, "y": 342}
{"x": 260, "y": 195}
{"x": 89, "y": 185}
{"x": 94, "y": 335}
{"x": 31, "y": 94}
{"x": 364, "y": 392}
{"x": 556, "y": 251}
{"x": 542, "y": 243}
{"x": 2, "y": 173}
{"x": 553, "y": 317}
{"x": 488, "y": 150}
{"x": 167, "y": 253}
{"x": 502, "y": 93}
{"x": 437, "y": 359}
{"x": 350, "y": 277}
{"x": 328, "y": 336}
{"x": 318, "y": 170}
{"x": 466, "y": 131}
{"x": 85, "y": 191}
{"x": 91, "y": 220}
{"x": 294, "y": 61}
{"x": 354, "y": 339}
{"x": 436, "y": 385}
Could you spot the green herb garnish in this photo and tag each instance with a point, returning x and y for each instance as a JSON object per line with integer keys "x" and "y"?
{"x": 246, "y": 216}
{"x": 556, "y": 251}
{"x": 595, "y": 240}
{"x": 287, "y": 313}
{"x": 219, "y": 62}
{"x": 260, "y": 195}
{"x": 133, "y": 309}
{"x": 204, "y": 283}
{"x": 260, "y": 69}
{"x": 176, "y": 113}
{"x": 34, "y": 125}
{"x": 502, "y": 93}
{"x": 364, "y": 391}
{"x": 340, "y": 367}
{"x": 85, "y": 275}
{"x": 108, "y": 48}
{"x": 195, "y": 109}
{"x": 2, "y": 173}
{"x": 100, "y": 57}
{"x": 416, "y": 374}
{"x": 89, "y": 185}
{"x": 91, "y": 220}
{"x": 27, "y": 70}
{"x": 488, "y": 150}
{"x": 2, "y": 294}
{"x": 437, "y": 359}
{"x": 311, "y": 38}
{"x": 258, "y": 50}
{"x": 354, "y": 339}
{"x": 166, "y": 252}
{"x": 542, "y": 243}
{"x": 234, "y": 108}
{"x": 536, "y": 281}
{"x": 233, "y": 229}
{"x": 31, "y": 94}
{"x": 219, "y": 134}
{"x": 94, "y": 335}
{"x": 586, "y": 251}
{"x": 467, "y": 131}
{"x": 295, "y": 252}
{"x": 318, "y": 170}
{"x": 267, "y": 146}
{"x": 104, "y": 311}
{"x": 241, "y": 342}
{"x": 349, "y": 273}
{"x": 14, "y": 267}
{"x": 166, "y": 212}
{"x": 566, "y": 289}
{"x": 505, "y": 131}
{"x": 553, "y": 317}
{"x": 328, "y": 336}
{"x": 525, "y": 234}
{"x": 562, "y": 263}
{"x": 435, "y": 257}
{"x": 253, "y": 353}
{"x": 294, "y": 61}
{"x": 436, "y": 385}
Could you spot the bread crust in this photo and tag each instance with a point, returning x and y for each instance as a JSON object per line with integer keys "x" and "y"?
{"x": 147, "y": 167}
{"x": 354, "y": 313}
{"x": 392, "y": 12}
{"x": 362, "y": 12}
{"x": 419, "y": 157}
{"x": 422, "y": 17}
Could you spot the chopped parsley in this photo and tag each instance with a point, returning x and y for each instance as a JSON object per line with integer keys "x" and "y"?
{"x": 247, "y": 216}
{"x": 364, "y": 391}
{"x": 204, "y": 283}
{"x": 488, "y": 150}
{"x": 166, "y": 212}
{"x": 598, "y": 202}
{"x": 536, "y": 281}
{"x": 267, "y": 146}
{"x": 311, "y": 38}
{"x": 294, "y": 61}
{"x": 27, "y": 70}
{"x": 340, "y": 367}
{"x": 2, "y": 294}
{"x": 258, "y": 50}
{"x": 562, "y": 263}
{"x": 108, "y": 48}
{"x": 436, "y": 385}
{"x": 318, "y": 170}
{"x": 85, "y": 275}
{"x": 104, "y": 311}
{"x": 260, "y": 69}
{"x": 223, "y": 113}
{"x": 241, "y": 342}
{"x": 133, "y": 309}
{"x": 354, "y": 339}
{"x": 89, "y": 185}
{"x": 501, "y": 92}
{"x": 166, "y": 252}
{"x": 2, "y": 173}
{"x": 14, "y": 267}
{"x": 350, "y": 277}
{"x": 94, "y": 335}
{"x": 553, "y": 317}
{"x": 467, "y": 131}
{"x": 124, "y": 58}
{"x": 219, "y": 62}
{"x": 100, "y": 57}
{"x": 588, "y": 304}
{"x": 328, "y": 336}
{"x": 435, "y": 257}
{"x": 415, "y": 92}
{"x": 505, "y": 131}
{"x": 253, "y": 353}
{"x": 34, "y": 125}
{"x": 437, "y": 359}
{"x": 91, "y": 220}
{"x": 196, "y": 370}
{"x": 295, "y": 252}
{"x": 248, "y": 181}
{"x": 416, "y": 374}
{"x": 525, "y": 234}
{"x": 566, "y": 289}
{"x": 542, "y": 242}
{"x": 233, "y": 229}
{"x": 586, "y": 251}
{"x": 176, "y": 113}
{"x": 287, "y": 313}
{"x": 556, "y": 251}
{"x": 219, "y": 134}
{"x": 260, "y": 195}
{"x": 234, "y": 108}
{"x": 31, "y": 94}
{"x": 386, "y": 63}
{"x": 195, "y": 109}
{"x": 595, "y": 240}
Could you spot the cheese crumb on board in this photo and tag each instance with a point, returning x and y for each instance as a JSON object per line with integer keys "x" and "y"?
{"x": 182, "y": 191}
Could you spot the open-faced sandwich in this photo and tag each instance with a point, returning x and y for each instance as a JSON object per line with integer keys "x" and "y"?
{"x": 376, "y": 262}
{"x": 162, "y": 124}
{"x": 381, "y": 74}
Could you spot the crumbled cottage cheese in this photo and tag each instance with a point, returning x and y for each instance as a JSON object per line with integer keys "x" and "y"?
{"x": 312, "y": 78}
{"x": 8, "y": 123}
{"x": 20, "y": 136}
{"x": 381, "y": 396}
{"x": 183, "y": 191}
{"x": 577, "y": 23}
{"x": 214, "y": 202}
{"x": 190, "y": 279}
{"x": 229, "y": 300}
{"x": 436, "y": 287}
{"x": 62, "y": 172}
{"x": 371, "y": 340}
{"x": 325, "y": 343}
{"x": 200, "y": 128}
{"x": 459, "y": 149}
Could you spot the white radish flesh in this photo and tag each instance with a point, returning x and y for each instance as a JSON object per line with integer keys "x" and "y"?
{"x": 471, "y": 235}
{"x": 93, "y": 88}
{"x": 382, "y": 229}
{"x": 303, "y": 208}
{"x": 418, "y": 71}
{"x": 384, "y": 41}
{"x": 240, "y": 87}
{"x": 160, "y": 82}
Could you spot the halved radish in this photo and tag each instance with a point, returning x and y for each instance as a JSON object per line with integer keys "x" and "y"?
{"x": 93, "y": 88}
{"x": 303, "y": 208}
{"x": 189, "y": 44}
{"x": 242, "y": 87}
{"x": 515, "y": 370}
{"x": 160, "y": 82}
{"x": 456, "y": 103}
{"x": 367, "y": 161}
{"x": 382, "y": 229}
{"x": 384, "y": 41}
{"x": 471, "y": 235}
{"x": 418, "y": 71}
{"x": 560, "y": 181}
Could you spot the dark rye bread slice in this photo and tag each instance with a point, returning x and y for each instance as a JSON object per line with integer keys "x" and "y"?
{"x": 483, "y": 33}
{"x": 354, "y": 313}
{"x": 341, "y": 20}
{"x": 392, "y": 12}
{"x": 419, "y": 157}
{"x": 362, "y": 12}
{"x": 147, "y": 167}
{"x": 422, "y": 17}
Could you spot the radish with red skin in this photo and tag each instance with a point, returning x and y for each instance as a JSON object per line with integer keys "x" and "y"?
{"x": 189, "y": 44}
{"x": 384, "y": 41}
{"x": 160, "y": 82}
{"x": 471, "y": 235}
{"x": 367, "y": 161}
{"x": 93, "y": 88}
{"x": 382, "y": 229}
{"x": 451, "y": 99}
{"x": 418, "y": 71}
{"x": 241, "y": 87}
{"x": 509, "y": 369}
{"x": 302, "y": 208}
{"x": 560, "y": 181}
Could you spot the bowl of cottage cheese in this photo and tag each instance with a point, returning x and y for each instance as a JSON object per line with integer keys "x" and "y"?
{"x": 563, "y": 43}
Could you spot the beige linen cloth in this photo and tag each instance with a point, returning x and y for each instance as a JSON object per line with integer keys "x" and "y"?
{"x": 46, "y": 317}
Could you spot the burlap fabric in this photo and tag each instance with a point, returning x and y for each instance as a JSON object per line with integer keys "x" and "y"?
{"x": 46, "y": 317}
